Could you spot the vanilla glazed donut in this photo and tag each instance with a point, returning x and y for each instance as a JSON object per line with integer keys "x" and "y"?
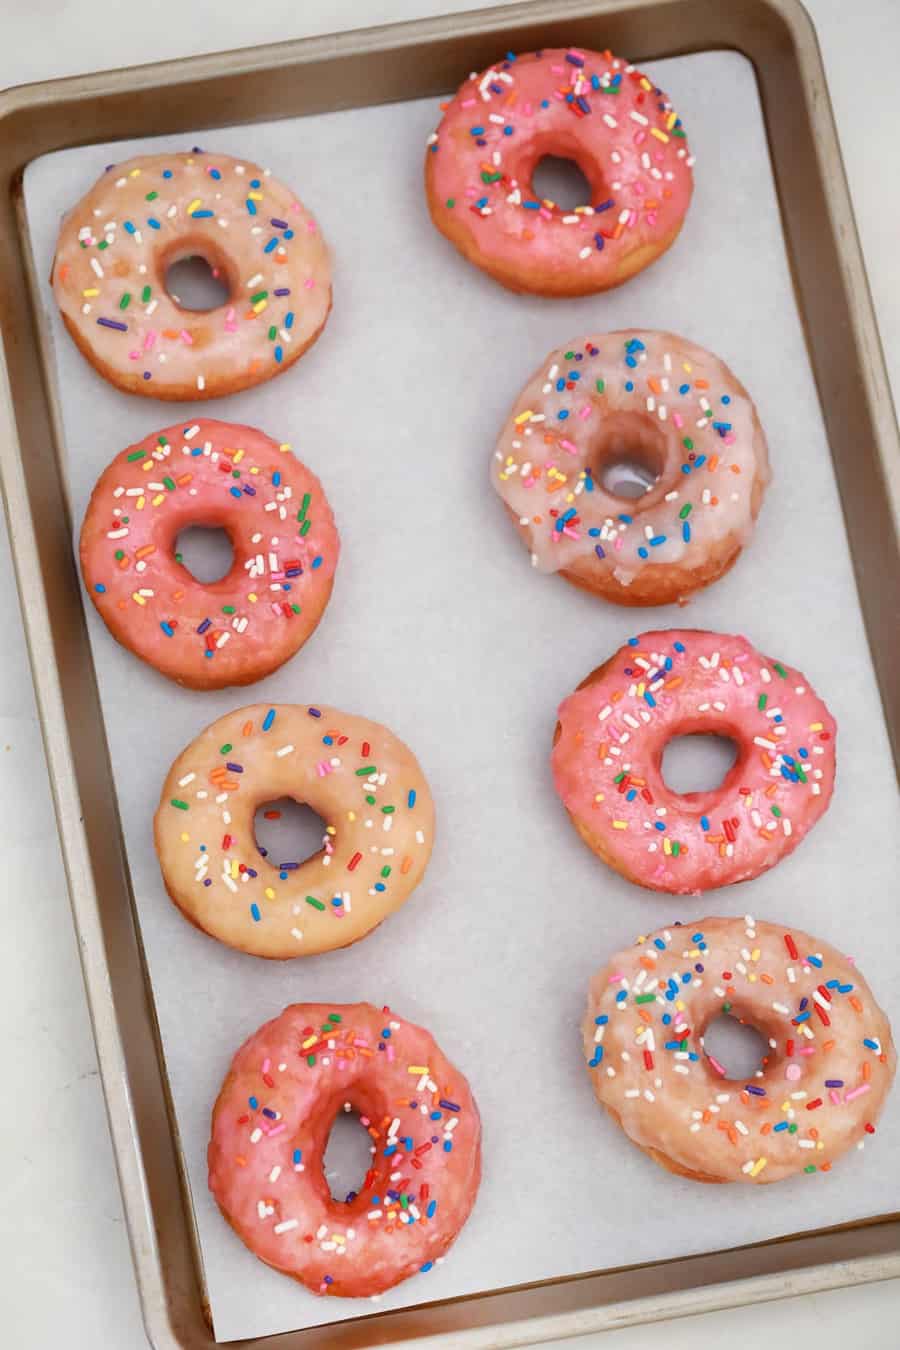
{"x": 117, "y": 244}
{"x": 360, "y": 778}
{"x": 828, "y": 1068}
{"x": 271, "y": 1123}
{"x": 589, "y": 107}
{"x": 207, "y": 635}
{"x": 655, "y": 399}
{"x": 609, "y": 742}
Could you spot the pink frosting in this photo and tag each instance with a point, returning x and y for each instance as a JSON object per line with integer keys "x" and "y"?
{"x": 271, "y": 1124}
{"x": 606, "y": 763}
{"x": 586, "y": 106}
{"x": 201, "y": 472}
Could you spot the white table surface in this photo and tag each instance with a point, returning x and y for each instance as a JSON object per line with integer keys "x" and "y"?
{"x": 65, "y": 1268}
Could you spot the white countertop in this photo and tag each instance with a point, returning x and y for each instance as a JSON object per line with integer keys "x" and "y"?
{"x": 65, "y": 1268}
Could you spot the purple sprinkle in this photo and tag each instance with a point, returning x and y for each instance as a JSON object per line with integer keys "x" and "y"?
{"x": 235, "y": 768}
{"x": 314, "y": 712}
{"x": 207, "y": 882}
{"x": 574, "y": 60}
{"x": 113, "y": 323}
{"x": 755, "y": 1091}
{"x": 599, "y": 551}
{"x": 282, "y": 290}
{"x": 448, "y": 1106}
{"x": 834, "y": 1082}
{"x": 279, "y": 224}
{"x": 204, "y": 625}
{"x": 267, "y": 1111}
{"x": 288, "y": 867}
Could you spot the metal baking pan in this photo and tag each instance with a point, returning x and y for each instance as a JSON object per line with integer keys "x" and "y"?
{"x": 321, "y": 75}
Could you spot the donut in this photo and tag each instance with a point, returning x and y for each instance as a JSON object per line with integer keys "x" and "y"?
{"x": 588, "y": 107}
{"x": 115, "y": 248}
{"x": 818, "y": 1092}
{"x": 356, "y": 774}
{"x": 664, "y": 404}
{"x": 207, "y": 635}
{"x": 609, "y": 742}
{"x": 271, "y": 1122}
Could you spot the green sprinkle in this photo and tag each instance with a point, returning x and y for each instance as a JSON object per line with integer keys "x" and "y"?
{"x": 161, "y": 440}
{"x": 311, "y": 1060}
{"x": 618, "y": 778}
{"x": 228, "y": 609}
{"x": 451, "y": 202}
{"x": 780, "y": 669}
{"x": 688, "y": 443}
{"x": 762, "y": 701}
{"x": 135, "y": 454}
{"x": 224, "y": 749}
{"x": 600, "y": 386}
{"x": 370, "y": 800}
{"x": 776, "y": 810}
{"x": 151, "y": 196}
{"x": 295, "y": 608}
{"x": 304, "y": 506}
{"x": 103, "y": 244}
{"x": 388, "y": 810}
{"x": 569, "y": 356}
{"x": 792, "y": 1129}
{"x": 726, "y": 1007}
{"x": 180, "y": 806}
{"x": 273, "y": 333}
{"x": 125, "y": 300}
{"x": 800, "y": 774}
{"x": 119, "y": 554}
{"x": 260, "y": 295}
{"x": 645, "y": 998}
{"x": 490, "y": 177}
{"x": 364, "y": 773}
{"x": 305, "y": 527}
{"x": 235, "y": 473}
{"x": 685, "y": 511}
{"x": 385, "y": 872}
{"x": 404, "y": 1201}
{"x": 676, "y": 848}
{"x": 169, "y": 483}
{"x": 145, "y": 294}
{"x": 810, "y": 1167}
{"x": 335, "y": 1017}
{"x": 179, "y": 557}
{"x": 316, "y": 904}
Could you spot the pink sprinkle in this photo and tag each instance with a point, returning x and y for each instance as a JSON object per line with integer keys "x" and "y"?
{"x": 133, "y": 356}
{"x": 717, "y": 1066}
{"x": 267, "y": 1064}
{"x": 529, "y": 481}
{"x": 360, "y": 1042}
{"x": 616, "y": 979}
{"x": 558, "y": 70}
{"x": 640, "y": 137}
{"x": 546, "y": 213}
{"x": 150, "y": 340}
{"x": 279, "y": 1129}
{"x": 471, "y": 193}
{"x": 632, "y": 218}
{"x": 390, "y": 1053}
{"x": 186, "y": 337}
{"x": 651, "y": 217}
{"x": 528, "y": 108}
{"x": 678, "y": 420}
{"x": 834, "y": 1097}
{"x": 341, "y": 1063}
{"x": 311, "y": 226}
{"x": 308, "y": 284}
{"x": 857, "y": 1092}
{"x": 638, "y": 188}
{"x": 569, "y": 446}
{"x": 466, "y": 102}
{"x": 729, "y": 438}
{"x": 585, "y": 411}
{"x": 619, "y": 543}
{"x": 570, "y": 533}
{"x": 322, "y": 769}
{"x": 558, "y": 96}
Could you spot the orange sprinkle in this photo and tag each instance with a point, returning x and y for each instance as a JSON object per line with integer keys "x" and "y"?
{"x": 712, "y": 463}
{"x": 405, "y": 865}
{"x": 247, "y": 729}
{"x": 866, "y": 1071}
{"x": 145, "y": 551}
{"x": 701, "y": 384}
{"x": 828, "y": 1045}
{"x": 735, "y": 468}
{"x": 124, "y": 563}
{"x": 240, "y": 1160}
{"x": 655, "y": 385}
{"x": 766, "y": 1127}
{"x": 767, "y": 979}
{"x": 184, "y": 479}
{"x": 825, "y": 1167}
{"x": 855, "y": 1003}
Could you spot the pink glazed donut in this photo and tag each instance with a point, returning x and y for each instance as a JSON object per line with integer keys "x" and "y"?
{"x": 271, "y": 1123}
{"x": 247, "y": 624}
{"x": 612, "y": 731}
{"x": 588, "y": 107}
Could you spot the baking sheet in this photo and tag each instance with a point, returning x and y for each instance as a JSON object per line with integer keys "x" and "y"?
{"x": 439, "y": 628}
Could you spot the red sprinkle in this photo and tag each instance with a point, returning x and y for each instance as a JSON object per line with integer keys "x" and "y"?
{"x": 816, "y": 1101}
{"x": 791, "y": 946}
{"x": 354, "y": 862}
{"x": 648, "y": 1060}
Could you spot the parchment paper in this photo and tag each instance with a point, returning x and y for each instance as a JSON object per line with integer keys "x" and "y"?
{"x": 439, "y": 628}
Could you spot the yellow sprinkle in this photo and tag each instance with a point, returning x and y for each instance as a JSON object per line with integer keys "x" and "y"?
{"x": 193, "y": 206}
{"x": 599, "y": 796}
{"x": 138, "y": 599}
{"x": 679, "y": 1004}
{"x": 351, "y": 815}
{"x": 234, "y": 870}
{"x": 147, "y": 465}
{"x": 260, "y": 306}
{"x": 620, "y": 824}
{"x": 329, "y": 829}
{"x": 237, "y": 457}
{"x": 523, "y": 417}
{"x": 92, "y": 290}
{"x": 160, "y": 497}
{"x": 641, "y": 687}
{"x": 758, "y": 1166}
{"x": 185, "y": 838}
{"x": 253, "y": 597}
{"x": 269, "y": 893}
{"x": 254, "y": 468}
{"x": 687, "y": 366}
{"x": 645, "y": 84}
{"x": 667, "y": 847}
{"x": 134, "y": 173}
{"x": 660, "y": 135}
{"x": 255, "y": 196}
{"x": 141, "y": 502}
{"x": 284, "y": 447}
{"x": 310, "y": 1040}
{"x": 417, "y": 1069}
{"x": 815, "y": 726}
{"x": 671, "y": 120}
{"x": 754, "y": 955}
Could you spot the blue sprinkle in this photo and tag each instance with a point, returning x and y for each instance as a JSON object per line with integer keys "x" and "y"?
{"x": 235, "y": 491}
{"x": 872, "y": 1045}
{"x": 253, "y": 1103}
{"x": 254, "y": 182}
{"x": 289, "y": 319}
{"x": 621, "y": 996}
{"x": 782, "y": 1125}
{"x": 279, "y": 354}
{"x": 167, "y": 173}
{"x": 631, "y": 794}
{"x": 704, "y": 825}
{"x": 298, "y": 1155}
{"x": 154, "y": 223}
{"x": 448, "y": 1147}
{"x": 564, "y": 414}
{"x": 411, "y": 798}
{"x": 629, "y": 386}
{"x": 128, "y": 226}
{"x": 659, "y": 825}
{"x": 432, "y": 1206}
{"x": 268, "y": 719}
{"x": 270, "y": 246}
{"x": 476, "y": 131}
{"x": 602, "y": 1020}
{"x": 100, "y": 588}
{"x": 684, "y": 388}
{"x": 167, "y": 629}
{"x": 251, "y": 206}
{"x": 657, "y": 540}
{"x": 427, "y": 1266}
{"x": 686, "y": 532}
{"x": 626, "y": 520}
{"x": 726, "y": 398}
{"x": 254, "y": 910}
{"x": 597, "y": 1057}
{"x": 815, "y": 961}
{"x": 269, "y": 1113}
{"x": 658, "y": 942}
{"x": 201, "y": 215}
{"x": 642, "y": 552}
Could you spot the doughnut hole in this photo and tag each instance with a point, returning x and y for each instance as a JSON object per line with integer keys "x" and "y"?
{"x": 629, "y": 457}
{"x": 558, "y": 179}
{"x": 348, "y": 1155}
{"x": 206, "y": 551}
{"x": 197, "y": 276}
{"x": 697, "y": 762}
{"x": 735, "y": 1049}
{"x": 287, "y": 833}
